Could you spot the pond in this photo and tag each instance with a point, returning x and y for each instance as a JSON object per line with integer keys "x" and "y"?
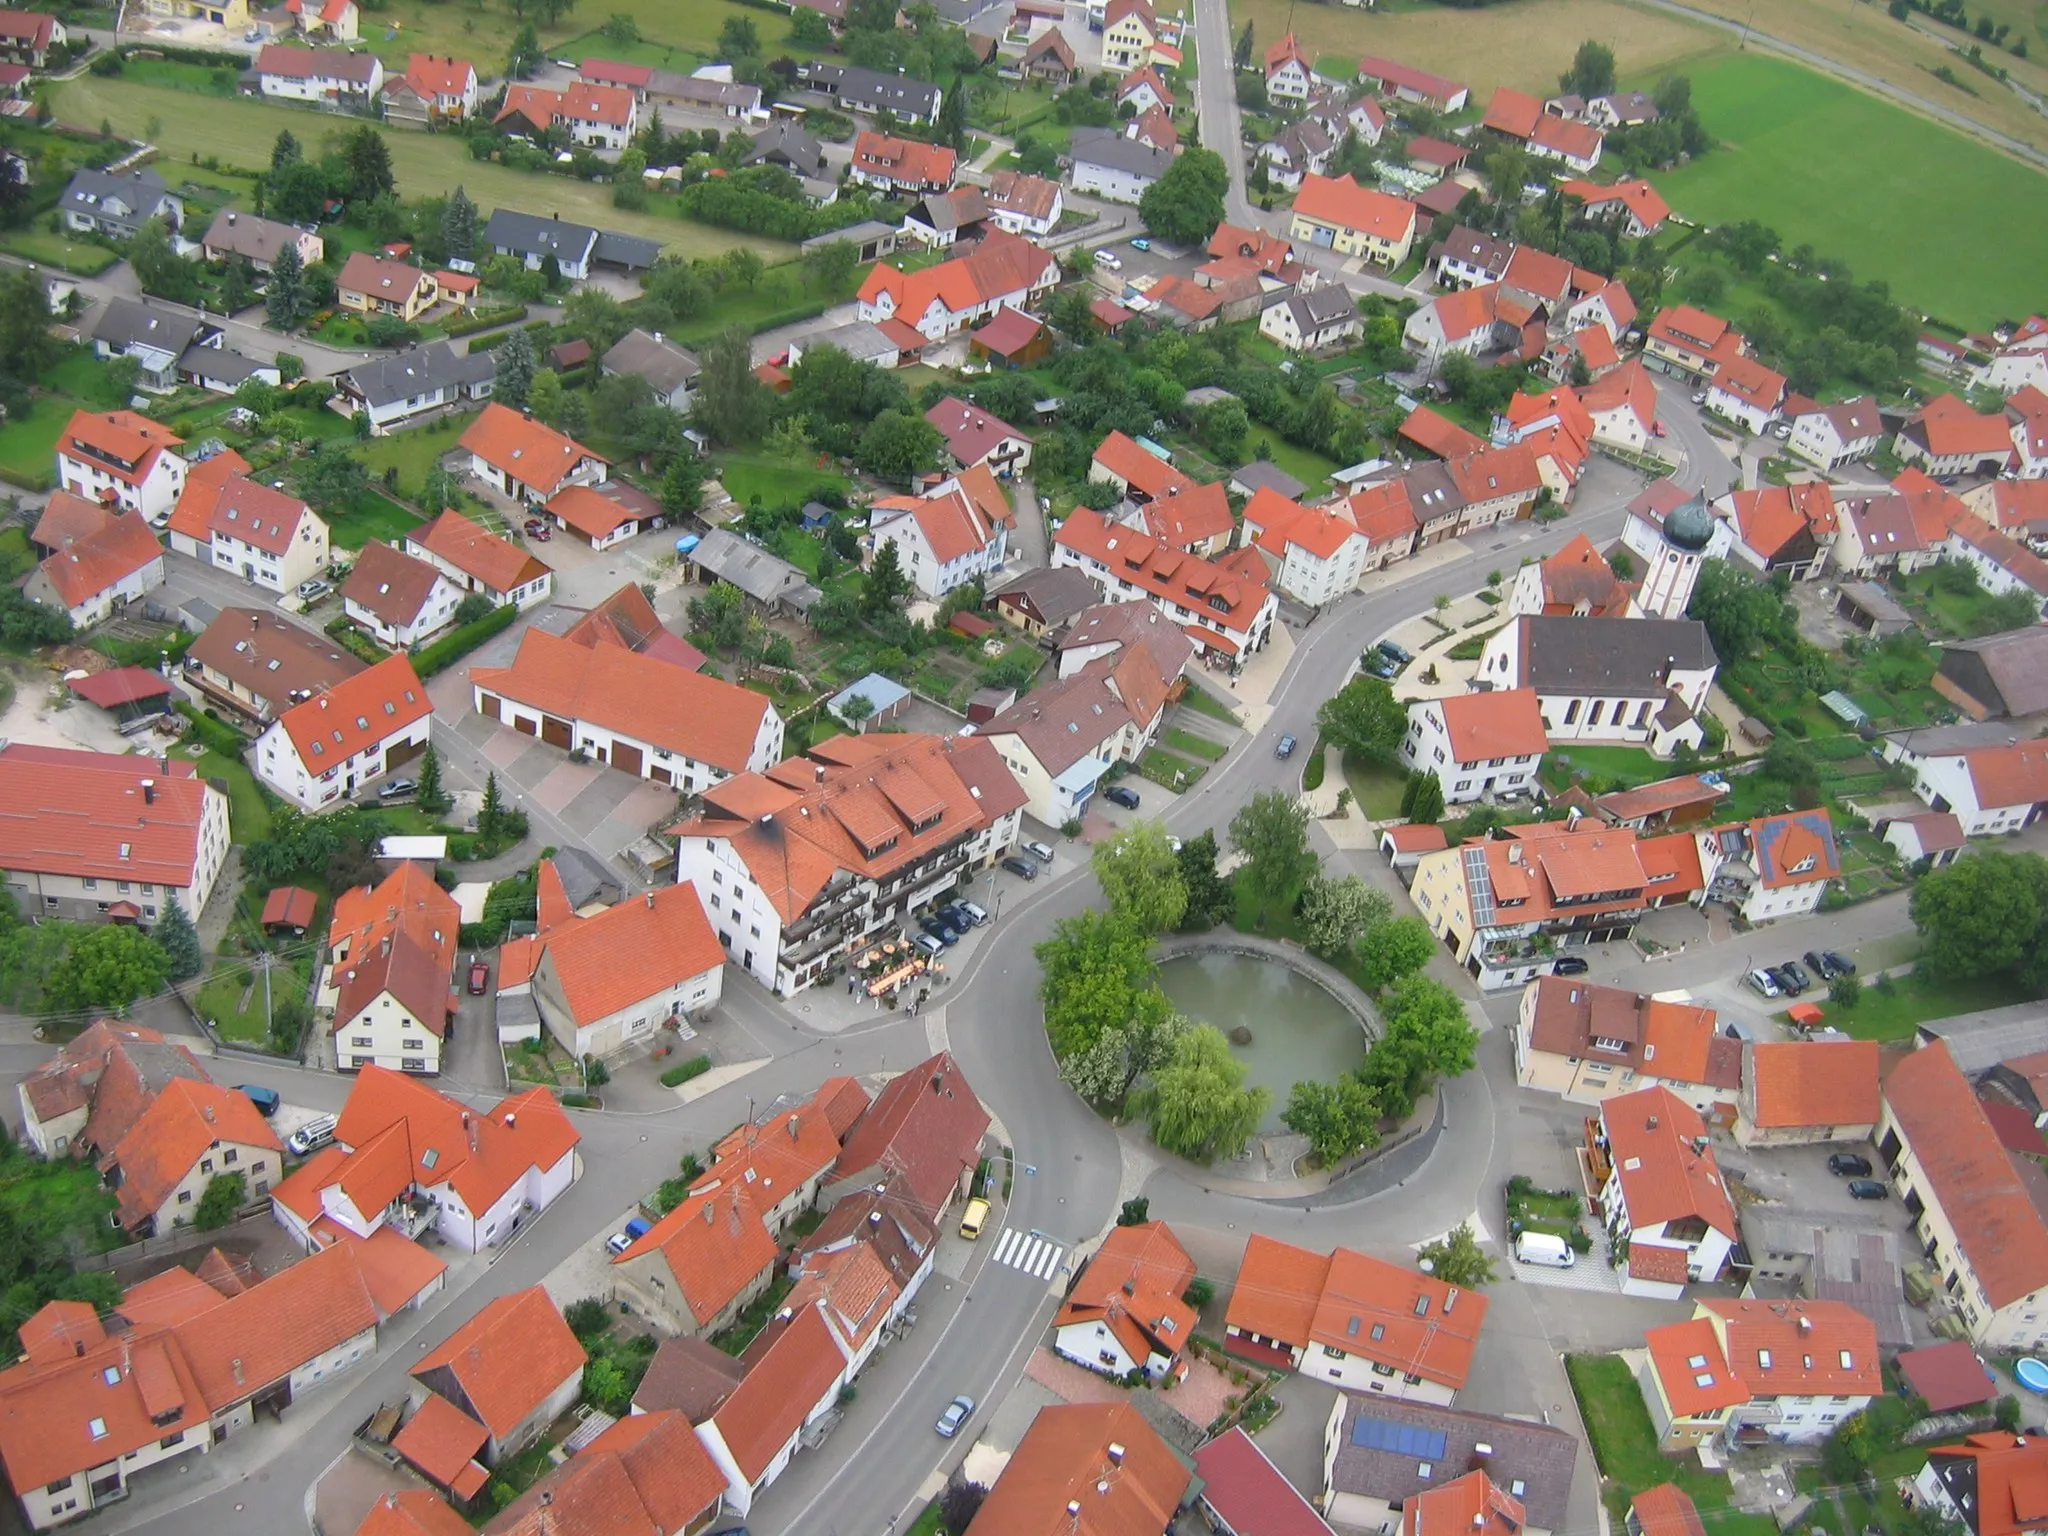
{"x": 1299, "y": 1031}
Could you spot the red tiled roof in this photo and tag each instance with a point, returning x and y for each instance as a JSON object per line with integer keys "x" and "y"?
{"x": 1639, "y": 197}
{"x": 1688, "y": 329}
{"x": 1513, "y": 113}
{"x": 1799, "y": 1348}
{"x": 1001, "y": 266}
{"x": 1250, "y": 1493}
{"x": 714, "y": 1244}
{"x": 66, "y": 812}
{"x": 1438, "y": 433}
{"x": 1471, "y": 1504}
{"x": 525, "y": 449}
{"x": 1694, "y": 1372}
{"x": 1667, "y": 1510}
{"x": 2010, "y": 1476}
{"x": 1420, "y": 81}
{"x": 1384, "y": 513}
{"x": 1507, "y": 723}
{"x": 110, "y": 439}
{"x": 259, "y": 1337}
{"x": 1341, "y": 201}
{"x": 432, "y": 76}
{"x": 411, "y": 1512}
{"x": 509, "y": 1358}
{"x": 88, "y": 565}
{"x": 498, "y": 563}
{"x": 1133, "y": 1284}
{"x": 924, "y": 1128}
{"x": 1282, "y": 523}
{"x": 1949, "y": 1376}
{"x": 1751, "y": 382}
{"x": 790, "y": 1380}
{"x": 440, "y": 1439}
{"x": 647, "y": 1475}
{"x": 395, "y": 1268}
{"x": 1661, "y": 1155}
{"x": 1064, "y": 1461}
{"x": 182, "y": 1124}
{"x": 1814, "y": 1082}
{"x": 1949, "y": 427}
{"x": 904, "y": 161}
{"x": 1575, "y": 141}
{"x": 628, "y": 953}
{"x": 356, "y": 714}
{"x": 1224, "y": 590}
{"x": 1398, "y": 1317}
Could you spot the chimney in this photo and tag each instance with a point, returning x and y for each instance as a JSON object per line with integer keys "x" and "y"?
{"x": 149, "y": 791}
{"x": 710, "y": 1213}
{"x": 650, "y": 901}
{"x": 1650, "y": 1124}
{"x": 1116, "y": 1454}
{"x": 1074, "y": 1509}
{"x": 795, "y": 1127}
{"x": 235, "y": 1365}
{"x": 1805, "y": 1323}
{"x": 511, "y": 1121}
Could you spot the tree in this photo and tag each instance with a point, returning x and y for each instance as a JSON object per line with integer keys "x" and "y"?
{"x": 286, "y": 298}
{"x": 27, "y": 347}
{"x": 237, "y": 286}
{"x": 1336, "y": 914}
{"x": 1136, "y": 1212}
{"x": 742, "y": 266}
{"x": 899, "y": 444}
{"x": 1210, "y": 899}
{"x": 1740, "y": 613}
{"x": 1096, "y": 974}
{"x": 1140, "y": 877}
{"x": 1984, "y": 916}
{"x": 605, "y": 1386}
{"x": 107, "y": 968}
{"x": 1422, "y": 799}
{"x": 1592, "y": 71}
{"x": 1186, "y": 203}
{"x": 158, "y": 267}
{"x": 432, "y": 798}
{"x": 1456, "y": 1258}
{"x": 330, "y": 480}
{"x": 1241, "y": 55}
{"x": 961, "y": 1502}
{"x": 516, "y": 369}
{"x": 831, "y": 264}
{"x": 369, "y": 165}
{"x": 223, "y": 1199}
{"x": 739, "y": 38}
{"x": 886, "y": 585}
{"x": 1338, "y": 1118}
{"x": 1393, "y": 950}
{"x": 1198, "y": 1104}
{"x": 951, "y": 127}
{"x": 1271, "y": 831}
{"x": 545, "y": 397}
{"x": 458, "y": 226}
{"x": 731, "y": 402}
{"x": 810, "y": 29}
{"x": 284, "y": 150}
{"x": 490, "y": 816}
{"x": 1427, "y": 1036}
{"x": 526, "y": 57}
{"x": 682, "y": 486}
{"x": 1365, "y": 719}
{"x": 1105, "y": 1073}
{"x": 180, "y": 941}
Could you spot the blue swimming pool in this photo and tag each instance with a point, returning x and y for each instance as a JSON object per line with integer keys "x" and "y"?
{"x": 2033, "y": 1374}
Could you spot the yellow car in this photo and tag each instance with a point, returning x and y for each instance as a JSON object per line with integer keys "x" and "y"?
{"x": 972, "y": 1218}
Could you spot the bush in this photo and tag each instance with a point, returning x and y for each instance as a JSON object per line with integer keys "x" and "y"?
{"x": 586, "y": 1318}
{"x": 443, "y": 653}
{"x": 484, "y": 320}
{"x": 683, "y": 1071}
{"x": 215, "y": 735}
{"x": 579, "y": 1101}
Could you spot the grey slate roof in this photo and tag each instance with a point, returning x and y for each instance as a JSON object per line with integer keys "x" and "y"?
{"x": 1980, "y": 1041}
{"x": 419, "y": 371}
{"x": 2017, "y": 661}
{"x": 528, "y": 234}
{"x": 1055, "y": 594}
{"x": 1573, "y": 655}
{"x": 123, "y": 323}
{"x": 1262, "y": 473}
{"x": 872, "y": 91}
{"x": 244, "y": 234}
{"x": 1107, "y": 147}
{"x": 654, "y": 358}
{"x": 1321, "y": 307}
{"x": 784, "y": 143}
{"x": 764, "y": 577}
{"x": 586, "y": 879}
{"x": 1535, "y": 1456}
{"x": 629, "y": 251}
{"x": 90, "y": 192}
{"x": 859, "y": 339}
{"x": 220, "y": 365}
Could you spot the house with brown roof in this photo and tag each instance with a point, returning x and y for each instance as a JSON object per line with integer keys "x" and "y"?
{"x": 647, "y": 712}
{"x": 1125, "y": 1313}
{"x": 813, "y": 859}
{"x": 1241, "y": 1490}
{"x": 524, "y": 459}
{"x": 390, "y": 972}
{"x": 399, "y": 600}
{"x": 1759, "y": 1372}
{"x": 480, "y": 561}
{"x": 1990, "y": 1485}
{"x": 1359, "y": 1323}
{"x": 1042, "y": 601}
{"x": 1023, "y": 204}
{"x": 341, "y": 740}
{"x": 1662, "y": 1196}
{"x": 100, "y": 558}
{"x": 254, "y": 664}
{"x": 61, "y": 1098}
{"x": 408, "y": 1157}
{"x": 694, "y": 1270}
{"x": 513, "y": 1368}
{"x": 1829, "y": 436}
{"x": 955, "y": 532}
{"x": 1979, "y": 1217}
{"x": 921, "y": 1138}
{"x": 1477, "y": 744}
{"x": 688, "y": 1376}
{"x": 106, "y": 837}
{"x": 1589, "y": 1043}
{"x": 2002, "y": 676}
{"x": 258, "y": 241}
{"x": 1086, "y": 1469}
{"x": 1799, "y": 1092}
{"x": 647, "y": 1475}
{"x": 373, "y": 285}
{"x": 193, "y": 1132}
{"x": 1379, "y": 1454}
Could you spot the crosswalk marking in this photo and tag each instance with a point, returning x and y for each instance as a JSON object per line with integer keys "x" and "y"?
{"x": 1034, "y": 1255}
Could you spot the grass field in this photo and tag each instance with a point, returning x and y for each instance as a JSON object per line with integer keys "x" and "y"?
{"x": 415, "y": 452}
{"x": 1894, "y": 196}
{"x": 484, "y": 34}
{"x": 60, "y": 251}
{"x": 28, "y": 449}
{"x": 1893, "y": 1014}
{"x": 1525, "y": 44}
{"x": 240, "y": 132}
{"x": 376, "y": 517}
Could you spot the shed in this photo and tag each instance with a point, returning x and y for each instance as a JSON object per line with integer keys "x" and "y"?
{"x": 986, "y": 703}
{"x": 1870, "y": 608}
{"x": 1755, "y": 730}
{"x": 1261, "y": 474}
{"x": 767, "y": 579}
{"x": 125, "y": 692}
{"x": 1012, "y": 338}
{"x": 817, "y": 517}
{"x": 564, "y": 355}
{"x": 885, "y": 696}
{"x": 1843, "y": 708}
{"x": 289, "y": 907}
{"x": 972, "y": 625}
{"x": 1949, "y": 1376}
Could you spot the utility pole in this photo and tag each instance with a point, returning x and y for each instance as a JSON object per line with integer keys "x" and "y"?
{"x": 268, "y": 1026}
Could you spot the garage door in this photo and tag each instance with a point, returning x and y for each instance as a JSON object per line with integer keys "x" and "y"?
{"x": 404, "y": 752}
{"x": 555, "y": 733}
{"x": 661, "y": 775}
{"x": 487, "y": 705}
{"x": 625, "y": 758}
{"x": 524, "y": 726}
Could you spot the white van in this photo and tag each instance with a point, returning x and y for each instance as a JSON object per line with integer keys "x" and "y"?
{"x": 309, "y": 1138}
{"x": 1109, "y": 261}
{"x": 1542, "y": 1248}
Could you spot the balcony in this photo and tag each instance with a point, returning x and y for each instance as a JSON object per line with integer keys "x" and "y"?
{"x": 818, "y": 942}
{"x": 829, "y": 909}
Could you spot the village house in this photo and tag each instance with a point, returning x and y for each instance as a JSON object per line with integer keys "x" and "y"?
{"x": 1576, "y": 581}
{"x": 84, "y": 1099}
{"x": 1404, "y": 83}
{"x": 97, "y": 559}
{"x": 1125, "y": 1313}
{"x": 513, "y": 1368}
{"x": 2002, "y": 564}
{"x": 407, "y": 1157}
{"x": 404, "y": 386}
{"x": 432, "y": 90}
{"x": 1662, "y": 1195}
{"x": 1380, "y": 1453}
{"x": 1690, "y": 343}
{"x": 1338, "y": 214}
{"x": 1985, "y": 1484}
{"x": 255, "y": 664}
{"x": 521, "y": 458}
{"x": 1105, "y": 1454}
{"x": 1648, "y": 694}
{"x": 647, "y": 1472}
{"x": 894, "y": 165}
{"x": 258, "y": 241}
{"x": 164, "y": 342}
{"x": 1759, "y": 1372}
{"x": 482, "y": 562}
{"x": 1115, "y": 166}
{"x": 1829, "y": 436}
{"x": 1313, "y": 554}
{"x": 1480, "y": 746}
{"x": 1798, "y": 1092}
{"x": 1588, "y": 1043}
{"x": 670, "y": 371}
{"x": 1747, "y": 393}
{"x": 1290, "y": 76}
{"x": 856, "y": 89}
{"x": 885, "y": 825}
{"x": 1311, "y": 321}
{"x": 333, "y": 20}
{"x": 1904, "y": 531}
{"x": 391, "y": 972}
{"x": 192, "y": 1132}
{"x": 956, "y": 532}
{"x": 975, "y": 438}
{"x": 940, "y": 300}
{"x": 26, "y": 37}
{"x": 595, "y": 116}
{"x": 372, "y": 285}
{"x": 398, "y": 600}
{"x": 1130, "y": 35}
{"x": 1789, "y": 528}
{"x": 118, "y": 203}
{"x": 1144, "y": 90}
{"x": 120, "y": 459}
{"x": 611, "y": 980}
{"x": 1227, "y": 607}
{"x": 268, "y": 538}
{"x": 1772, "y": 866}
{"x": 337, "y": 742}
{"x": 1022, "y": 204}
{"x": 696, "y": 1268}
{"x": 332, "y": 77}
{"x": 1946, "y": 437}
{"x": 1994, "y": 787}
{"x": 1162, "y": 501}
{"x": 1356, "y": 1322}
{"x": 1042, "y": 601}
{"x": 575, "y": 248}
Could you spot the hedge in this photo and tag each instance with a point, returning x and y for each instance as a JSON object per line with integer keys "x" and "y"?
{"x": 484, "y": 319}
{"x": 145, "y": 653}
{"x": 443, "y": 653}
{"x": 683, "y": 1071}
{"x": 35, "y": 480}
{"x": 214, "y": 734}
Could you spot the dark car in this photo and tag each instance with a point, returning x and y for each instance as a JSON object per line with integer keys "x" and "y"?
{"x": 1400, "y": 653}
{"x": 1023, "y": 869}
{"x": 265, "y": 1099}
{"x": 539, "y": 529}
{"x": 1821, "y": 966}
{"x": 1569, "y": 965}
{"x": 1380, "y": 664}
{"x": 943, "y": 932}
{"x": 1868, "y": 1189}
{"x": 1843, "y": 965}
{"x": 1849, "y": 1165}
{"x": 954, "y": 916}
{"x": 1286, "y": 747}
{"x": 1116, "y": 794}
{"x": 1795, "y": 973}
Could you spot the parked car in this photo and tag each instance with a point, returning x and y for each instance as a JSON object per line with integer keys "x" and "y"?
{"x": 539, "y": 529}
{"x": 974, "y": 913}
{"x": 1699, "y": 397}
{"x": 312, "y": 591}
{"x": 309, "y": 1138}
{"x": 479, "y": 978}
{"x": 1400, "y": 653}
{"x": 1117, "y": 794}
{"x": 619, "y": 1242}
{"x": 265, "y": 1099}
{"x": 1109, "y": 261}
{"x": 1821, "y": 966}
{"x": 1869, "y": 1189}
{"x": 1379, "y": 664}
{"x": 1843, "y": 965}
{"x": 928, "y": 946}
{"x": 955, "y": 919}
{"x": 1849, "y": 1165}
{"x": 1795, "y": 973}
{"x": 1141, "y": 244}
{"x": 1764, "y": 983}
{"x": 1569, "y": 965}
{"x": 1023, "y": 869}
{"x": 956, "y": 1411}
{"x": 941, "y": 931}
{"x": 1038, "y": 851}
{"x": 1286, "y": 747}
{"x": 399, "y": 789}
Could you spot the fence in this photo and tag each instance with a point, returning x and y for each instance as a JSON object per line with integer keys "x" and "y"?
{"x": 176, "y": 1241}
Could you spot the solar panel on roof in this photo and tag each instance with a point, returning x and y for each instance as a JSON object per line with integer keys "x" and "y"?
{"x": 1402, "y": 1439}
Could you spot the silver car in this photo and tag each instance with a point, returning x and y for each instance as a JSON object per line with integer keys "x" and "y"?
{"x": 955, "y": 1415}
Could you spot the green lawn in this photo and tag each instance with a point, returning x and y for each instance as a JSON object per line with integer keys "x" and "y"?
{"x": 1203, "y": 702}
{"x": 775, "y": 482}
{"x": 1188, "y": 744}
{"x": 178, "y": 76}
{"x": 1894, "y": 1013}
{"x": 232, "y": 997}
{"x": 78, "y": 256}
{"x": 1627, "y": 766}
{"x": 17, "y": 555}
{"x": 376, "y": 517}
{"x": 248, "y": 809}
{"x": 1895, "y": 196}
{"x": 1375, "y": 787}
{"x": 595, "y": 45}
{"x": 414, "y": 452}
{"x": 28, "y": 449}
{"x": 1169, "y": 770}
{"x": 1312, "y": 469}
{"x": 784, "y": 296}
